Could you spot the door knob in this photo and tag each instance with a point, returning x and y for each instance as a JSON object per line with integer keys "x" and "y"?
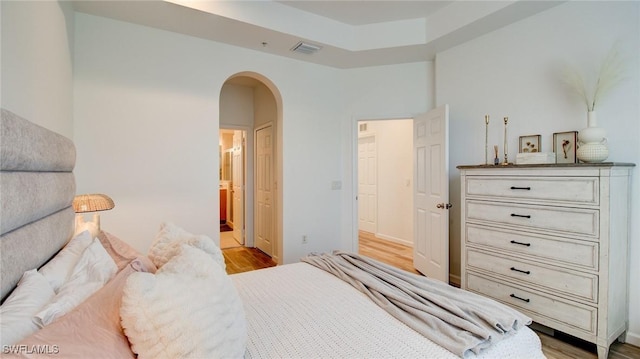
{"x": 445, "y": 206}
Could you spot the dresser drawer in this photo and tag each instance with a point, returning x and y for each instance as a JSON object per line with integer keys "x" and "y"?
{"x": 576, "y": 316}
{"x": 566, "y": 251}
{"x": 576, "y": 284}
{"x": 578, "y": 190}
{"x": 564, "y": 220}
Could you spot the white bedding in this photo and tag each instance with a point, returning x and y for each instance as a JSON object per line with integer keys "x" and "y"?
{"x": 299, "y": 311}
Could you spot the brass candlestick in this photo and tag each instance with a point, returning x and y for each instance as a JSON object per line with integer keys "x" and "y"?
{"x": 506, "y": 157}
{"x": 486, "y": 139}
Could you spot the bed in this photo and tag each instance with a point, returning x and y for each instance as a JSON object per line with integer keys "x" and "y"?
{"x": 290, "y": 311}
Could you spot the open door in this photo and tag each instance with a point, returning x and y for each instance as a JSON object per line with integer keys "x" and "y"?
{"x": 431, "y": 193}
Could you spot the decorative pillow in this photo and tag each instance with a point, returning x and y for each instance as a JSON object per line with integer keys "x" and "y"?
{"x": 93, "y": 328}
{"x": 121, "y": 252}
{"x": 92, "y": 271}
{"x": 59, "y": 268}
{"x": 188, "y": 309}
{"x": 171, "y": 237}
{"x": 16, "y": 313}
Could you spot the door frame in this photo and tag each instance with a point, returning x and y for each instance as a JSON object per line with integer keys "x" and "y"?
{"x": 355, "y": 241}
{"x": 249, "y": 179}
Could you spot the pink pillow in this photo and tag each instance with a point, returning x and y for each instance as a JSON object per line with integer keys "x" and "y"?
{"x": 121, "y": 252}
{"x": 93, "y": 328}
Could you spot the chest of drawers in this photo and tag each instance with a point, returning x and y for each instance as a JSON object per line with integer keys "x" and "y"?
{"x": 551, "y": 241}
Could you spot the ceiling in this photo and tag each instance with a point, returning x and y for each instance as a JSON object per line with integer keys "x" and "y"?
{"x": 351, "y": 33}
{"x": 361, "y": 12}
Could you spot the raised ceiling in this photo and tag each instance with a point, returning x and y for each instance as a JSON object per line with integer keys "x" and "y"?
{"x": 356, "y": 33}
{"x": 361, "y": 12}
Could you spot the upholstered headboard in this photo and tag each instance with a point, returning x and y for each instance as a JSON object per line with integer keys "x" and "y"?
{"x": 37, "y": 187}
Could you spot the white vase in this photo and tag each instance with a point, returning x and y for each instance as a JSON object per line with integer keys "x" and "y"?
{"x": 592, "y": 141}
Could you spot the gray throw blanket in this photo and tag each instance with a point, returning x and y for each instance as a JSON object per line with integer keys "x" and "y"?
{"x": 455, "y": 319}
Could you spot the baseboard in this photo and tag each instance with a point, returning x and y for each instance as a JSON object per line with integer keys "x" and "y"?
{"x": 394, "y": 239}
{"x": 633, "y": 339}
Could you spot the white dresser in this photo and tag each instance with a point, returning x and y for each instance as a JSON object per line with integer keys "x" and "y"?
{"x": 551, "y": 241}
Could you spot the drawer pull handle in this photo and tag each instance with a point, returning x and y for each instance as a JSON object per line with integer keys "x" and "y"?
{"x": 523, "y": 188}
{"x": 520, "y": 270}
{"x": 522, "y": 244}
{"x": 520, "y": 215}
{"x": 522, "y": 299}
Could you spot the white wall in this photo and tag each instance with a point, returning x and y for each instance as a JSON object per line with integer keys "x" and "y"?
{"x": 265, "y": 108}
{"x": 236, "y": 105}
{"x": 37, "y": 69}
{"x": 394, "y": 141}
{"x": 514, "y": 72}
{"x": 147, "y": 132}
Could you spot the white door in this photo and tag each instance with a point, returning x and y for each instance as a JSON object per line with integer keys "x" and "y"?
{"x": 238, "y": 186}
{"x": 431, "y": 193}
{"x": 367, "y": 184}
{"x": 264, "y": 190}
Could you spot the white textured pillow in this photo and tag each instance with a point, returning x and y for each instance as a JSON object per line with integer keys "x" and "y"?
{"x": 188, "y": 309}
{"x": 16, "y": 313}
{"x": 93, "y": 270}
{"x": 171, "y": 237}
{"x": 59, "y": 268}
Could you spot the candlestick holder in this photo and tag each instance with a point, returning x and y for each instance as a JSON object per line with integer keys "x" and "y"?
{"x": 486, "y": 139}
{"x": 506, "y": 156}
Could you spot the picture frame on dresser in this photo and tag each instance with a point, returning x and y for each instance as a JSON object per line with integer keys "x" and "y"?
{"x": 565, "y": 145}
{"x": 529, "y": 143}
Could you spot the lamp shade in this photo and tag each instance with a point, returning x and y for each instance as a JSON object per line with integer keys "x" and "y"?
{"x": 92, "y": 203}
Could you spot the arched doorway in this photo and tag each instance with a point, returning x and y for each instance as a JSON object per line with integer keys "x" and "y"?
{"x": 251, "y": 109}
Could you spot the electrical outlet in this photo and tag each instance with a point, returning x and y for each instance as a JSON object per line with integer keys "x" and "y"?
{"x": 305, "y": 240}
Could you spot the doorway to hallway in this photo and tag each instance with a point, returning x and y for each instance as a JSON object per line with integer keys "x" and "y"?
{"x": 252, "y": 103}
{"x": 385, "y": 190}
{"x": 427, "y": 190}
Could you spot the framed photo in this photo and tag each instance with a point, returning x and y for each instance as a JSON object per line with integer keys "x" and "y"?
{"x": 529, "y": 144}
{"x": 564, "y": 146}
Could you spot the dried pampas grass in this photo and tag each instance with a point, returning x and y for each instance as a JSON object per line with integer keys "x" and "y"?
{"x": 611, "y": 73}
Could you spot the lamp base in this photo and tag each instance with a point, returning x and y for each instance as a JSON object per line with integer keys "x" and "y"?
{"x": 93, "y": 227}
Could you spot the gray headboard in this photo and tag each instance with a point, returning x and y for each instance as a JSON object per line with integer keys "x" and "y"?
{"x": 37, "y": 187}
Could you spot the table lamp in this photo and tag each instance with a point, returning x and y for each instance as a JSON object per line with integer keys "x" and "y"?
{"x": 95, "y": 202}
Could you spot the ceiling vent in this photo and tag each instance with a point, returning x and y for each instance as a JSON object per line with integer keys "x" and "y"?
{"x": 306, "y": 48}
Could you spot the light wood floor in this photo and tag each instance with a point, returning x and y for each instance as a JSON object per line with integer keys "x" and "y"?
{"x": 561, "y": 346}
{"x": 227, "y": 240}
{"x": 394, "y": 254}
